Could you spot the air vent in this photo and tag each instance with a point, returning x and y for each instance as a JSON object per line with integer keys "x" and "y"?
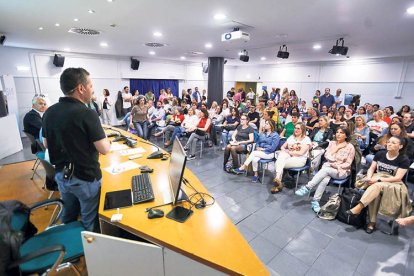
{"x": 84, "y": 31}
{"x": 155, "y": 44}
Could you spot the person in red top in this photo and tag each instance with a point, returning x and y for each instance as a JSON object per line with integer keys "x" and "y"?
{"x": 176, "y": 120}
{"x": 198, "y": 133}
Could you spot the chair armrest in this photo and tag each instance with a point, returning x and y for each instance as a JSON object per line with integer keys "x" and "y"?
{"x": 48, "y": 202}
{"x": 40, "y": 253}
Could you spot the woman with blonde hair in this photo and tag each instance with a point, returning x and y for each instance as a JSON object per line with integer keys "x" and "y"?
{"x": 293, "y": 154}
{"x": 361, "y": 131}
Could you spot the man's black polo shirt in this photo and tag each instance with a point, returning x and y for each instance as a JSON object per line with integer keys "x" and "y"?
{"x": 71, "y": 128}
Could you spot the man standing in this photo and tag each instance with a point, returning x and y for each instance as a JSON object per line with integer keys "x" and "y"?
{"x": 409, "y": 124}
{"x": 74, "y": 136}
{"x": 196, "y": 95}
{"x": 32, "y": 121}
{"x": 126, "y": 100}
{"x": 327, "y": 99}
{"x": 338, "y": 98}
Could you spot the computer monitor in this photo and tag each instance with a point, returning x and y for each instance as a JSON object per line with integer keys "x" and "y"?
{"x": 178, "y": 160}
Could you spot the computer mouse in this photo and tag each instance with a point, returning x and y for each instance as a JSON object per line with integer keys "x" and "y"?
{"x": 155, "y": 213}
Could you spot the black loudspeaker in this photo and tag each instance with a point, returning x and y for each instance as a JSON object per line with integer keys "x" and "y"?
{"x": 134, "y": 64}
{"x": 244, "y": 58}
{"x": 2, "y": 39}
{"x": 3, "y": 105}
{"x": 205, "y": 68}
{"x": 58, "y": 60}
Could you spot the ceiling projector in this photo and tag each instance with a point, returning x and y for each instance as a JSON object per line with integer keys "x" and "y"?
{"x": 235, "y": 35}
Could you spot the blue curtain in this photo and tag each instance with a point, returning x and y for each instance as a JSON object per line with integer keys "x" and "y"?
{"x": 155, "y": 85}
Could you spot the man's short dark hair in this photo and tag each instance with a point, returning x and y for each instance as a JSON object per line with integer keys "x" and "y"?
{"x": 71, "y": 78}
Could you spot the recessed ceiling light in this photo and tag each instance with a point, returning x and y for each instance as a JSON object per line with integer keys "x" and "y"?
{"x": 110, "y": 1}
{"x": 220, "y": 16}
{"x": 208, "y": 45}
{"x": 157, "y": 34}
{"x": 152, "y": 53}
{"x": 22, "y": 68}
{"x": 263, "y": 58}
{"x": 278, "y": 62}
{"x": 410, "y": 10}
{"x": 317, "y": 46}
{"x": 103, "y": 44}
{"x": 66, "y": 49}
{"x": 182, "y": 57}
{"x": 40, "y": 28}
{"x": 57, "y": 24}
{"x": 91, "y": 11}
{"x": 75, "y": 19}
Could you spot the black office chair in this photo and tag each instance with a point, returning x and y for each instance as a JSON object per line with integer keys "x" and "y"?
{"x": 36, "y": 150}
{"x": 50, "y": 250}
{"x": 50, "y": 183}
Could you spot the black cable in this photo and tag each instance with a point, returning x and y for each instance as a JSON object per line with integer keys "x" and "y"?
{"x": 200, "y": 203}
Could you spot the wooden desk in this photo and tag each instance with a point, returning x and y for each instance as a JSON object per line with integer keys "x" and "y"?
{"x": 208, "y": 236}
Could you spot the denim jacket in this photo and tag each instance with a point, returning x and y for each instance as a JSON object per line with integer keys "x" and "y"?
{"x": 268, "y": 142}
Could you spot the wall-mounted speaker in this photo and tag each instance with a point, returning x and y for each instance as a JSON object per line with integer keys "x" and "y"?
{"x": 2, "y": 39}
{"x": 205, "y": 68}
{"x": 58, "y": 60}
{"x": 134, "y": 64}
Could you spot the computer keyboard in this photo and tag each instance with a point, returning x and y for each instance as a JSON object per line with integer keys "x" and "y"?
{"x": 142, "y": 188}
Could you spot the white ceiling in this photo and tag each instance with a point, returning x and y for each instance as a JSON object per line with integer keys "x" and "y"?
{"x": 371, "y": 28}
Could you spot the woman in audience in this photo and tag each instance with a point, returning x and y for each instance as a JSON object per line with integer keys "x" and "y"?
{"x": 337, "y": 122}
{"x": 225, "y": 108}
{"x": 242, "y": 136}
{"x": 404, "y": 109}
{"x": 348, "y": 115}
{"x": 320, "y": 137}
{"x": 390, "y": 167}
{"x": 342, "y": 109}
{"x": 190, "y": 122}
{"x": 315, "y": 100}
{"x": 213, "y": 109}
{"x": 267, "y": 115}
{"x": 163, "y": 95}
{"x": 261, "y": 108}
{"x": 139, "y": 117}
{"x": 265, "y": 96}
{"x": 175, "y": 121}
{"x": 230, "y": 124}
{"x": 324, "y": 111}
{"x": 361, "y": 131}
{"x": 290, "y": 127}
{"x": 377, "y": 125}
{"x": 170, "y": 95}
{"x": 106, "y": 104}
{"x": 198, "y": 133}
{"x": 294, "y": 153}
{"x": 339, "y": 156}
{"x": 288, "y": 119}
{"x": 313, "y": 119}
{"x": 265, "y": 149}
{"x": 216, "y": 121}
{"x": 361, "y": 111}
{"x": 293, "y": 99}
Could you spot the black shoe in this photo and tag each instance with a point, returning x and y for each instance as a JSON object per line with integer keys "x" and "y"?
{"x": 191, "y": 157}
{"x": 370, "y": 228}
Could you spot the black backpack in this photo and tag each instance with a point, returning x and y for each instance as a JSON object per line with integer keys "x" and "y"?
{"x": 349, "y": 199}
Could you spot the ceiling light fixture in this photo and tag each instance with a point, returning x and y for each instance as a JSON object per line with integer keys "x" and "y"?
{"x": 220, "y": 16}
{"x": 283, "y": 53}
{"x": 152, "y": 53}
{"x": 22, "y": 68}
{"x": 103, "y": 44}
{"x": 339, "y": 49}
{"x": 75, "y": 19}
{"x": 410, "y": 10}
{"x": 208, "y": 45}
{"x": 263, "y": 58}
{"x": 40, "y": 28}
{"x": 182, "y": 57}
{"x": 244, "y": 56}
{"x": 91, "y": 11}
{"x": 110, "y": 1}
{"x": 317, "y": 46}
{"x": 66, "y": 49}
{"x": 157, "y": 34}
{"x": 57, "y": 24}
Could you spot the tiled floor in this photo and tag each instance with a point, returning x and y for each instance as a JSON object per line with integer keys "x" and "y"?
{"x": 285, "y": 233}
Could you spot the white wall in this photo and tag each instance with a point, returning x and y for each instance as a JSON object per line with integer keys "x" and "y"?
{"x": 378, "y": 81}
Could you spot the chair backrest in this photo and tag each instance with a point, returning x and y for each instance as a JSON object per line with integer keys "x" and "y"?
{"x": 32, "y": 139}
{"x": 40, "y": 145}
{"x": 51, "y": 184}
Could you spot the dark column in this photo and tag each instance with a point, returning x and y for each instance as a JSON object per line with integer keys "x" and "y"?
{"x": 215, "y": 79}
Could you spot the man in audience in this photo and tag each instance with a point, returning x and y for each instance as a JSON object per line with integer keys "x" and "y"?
{"x": 338, "y": 98}
{"x": 246, "y": 107}
{"x": 369, "y": 111}
{"x": 74, "y": 136}
{"x": 32, "y": 121}
{"x": 126, "y": 100}
{"x": 327, "y": 99}
{"x": 196, "y": 95}
{"x": 409, "y": 124}
{"x": 157, "y": 115}
{"x": 375, "y": 107}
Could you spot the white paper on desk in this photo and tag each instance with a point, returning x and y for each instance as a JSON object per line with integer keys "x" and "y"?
{"x": 117, "y": 146}
{"x": 131, "y": 151}
{"x": 122, "y": 167}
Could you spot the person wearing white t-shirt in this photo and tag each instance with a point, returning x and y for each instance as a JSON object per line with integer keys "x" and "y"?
{"x": 377, "y": 125}
{"x": 293, "y": 154}
{"x": 126, "y": 100}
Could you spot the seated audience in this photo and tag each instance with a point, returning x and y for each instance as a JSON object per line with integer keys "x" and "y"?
{"x": 320, "y": 137}
{"x": 241, "y": 137}
{"x": 265, "y": 149}
{"x": 312, "y": 119}
{"x": 254, "y": 117}
{"x": 339, "y": 157}
{"x": 337, "y": 122}
{"x": 230, "y": 124}
{"x": 198, "y": 133}
{"x": 293, "y": 154}
{"x": 189, "y": 124}
{"x": 409, "y": 124}
{"x": 290, "y": 127}
{"x": 175, "y": 121}
{"x": 32, "y": 121}
{"x": 377, "y": 125}
{"x": 404, "y": 110}
{"x": 384, "y": 178}
{"x": 139, "y": 117}
{"x": 361, "y": 131}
